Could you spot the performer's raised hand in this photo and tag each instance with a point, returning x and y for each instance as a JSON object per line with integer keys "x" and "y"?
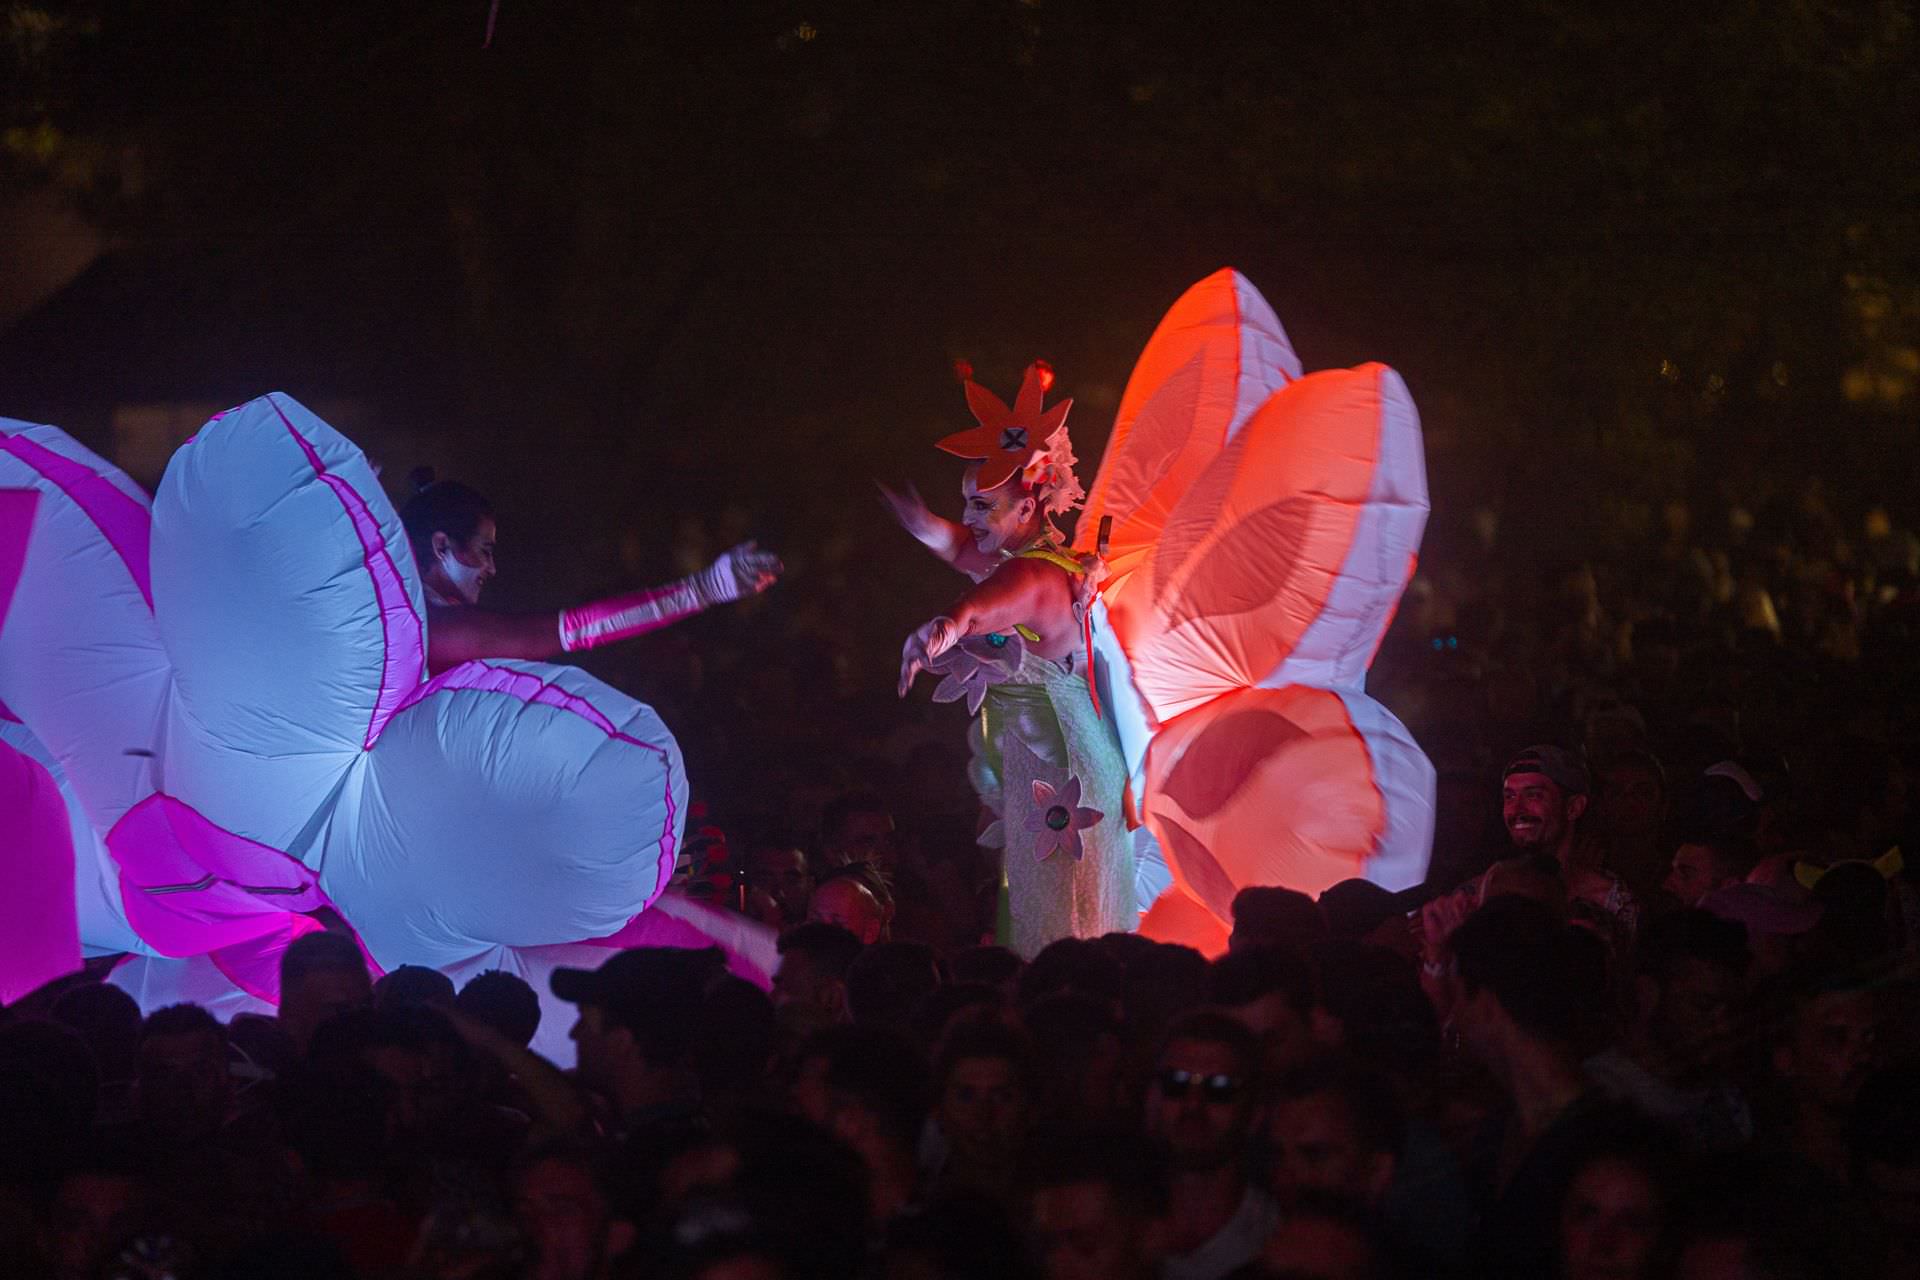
{"x": 923, "y": 647}
{"x": 745, "y": 570}
{"x": 915, "y": 516}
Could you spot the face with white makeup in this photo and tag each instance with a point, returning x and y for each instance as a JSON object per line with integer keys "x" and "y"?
{"x": 452, "y": 531}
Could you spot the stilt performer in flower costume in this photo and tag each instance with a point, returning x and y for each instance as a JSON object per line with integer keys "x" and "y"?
{"x": 1014, "y": 647}
{"x": 1192, "y": 667}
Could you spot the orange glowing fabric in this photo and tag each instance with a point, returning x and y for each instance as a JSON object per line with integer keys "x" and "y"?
{"x": 1264, "y": 525}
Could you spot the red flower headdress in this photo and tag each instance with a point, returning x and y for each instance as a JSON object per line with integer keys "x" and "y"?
{"x": 1025, "y": 440}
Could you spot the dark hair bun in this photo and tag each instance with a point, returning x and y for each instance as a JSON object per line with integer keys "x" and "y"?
{"x": 419, "y": 478}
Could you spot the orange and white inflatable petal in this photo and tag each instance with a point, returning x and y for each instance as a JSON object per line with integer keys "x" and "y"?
{"x": 1283, "y": 562}
{"x": 1294, "y": 786}
{"x": 1213, "y": 361}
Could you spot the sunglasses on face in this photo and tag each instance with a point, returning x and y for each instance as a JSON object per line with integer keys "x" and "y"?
{"x": 1215, "y": 1088}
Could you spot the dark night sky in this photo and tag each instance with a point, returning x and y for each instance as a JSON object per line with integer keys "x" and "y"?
{"x": 653, "y": 272}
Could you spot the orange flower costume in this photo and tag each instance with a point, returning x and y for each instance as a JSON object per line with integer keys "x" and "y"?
{"x": 1260, "y": 524}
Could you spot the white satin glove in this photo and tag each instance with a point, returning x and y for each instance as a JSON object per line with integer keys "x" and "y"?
{"x": 745, "y": 570}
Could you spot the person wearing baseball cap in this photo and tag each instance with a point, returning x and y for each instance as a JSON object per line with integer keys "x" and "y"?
{"x": 1543, "y": 792}
{"x": 639, "y": 1017}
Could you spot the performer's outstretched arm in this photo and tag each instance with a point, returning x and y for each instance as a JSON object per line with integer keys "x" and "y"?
{"x": 951, "y": 542}
{"x": 461, "y": 635}
{"x": 1030, "y": 593}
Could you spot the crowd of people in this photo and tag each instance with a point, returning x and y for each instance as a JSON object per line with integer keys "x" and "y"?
{"x": 1651, "y": 1015}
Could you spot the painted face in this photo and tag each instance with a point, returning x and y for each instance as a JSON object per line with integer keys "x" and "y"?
{"x": 1537, "y": 813}
{"x": 998, "y": 518}
{"x": 466, "y": 566}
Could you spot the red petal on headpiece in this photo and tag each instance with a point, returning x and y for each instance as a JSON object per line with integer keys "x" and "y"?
{"x": 989, "y": 410}
{"x": 1007, "y": 439}
{"x": 1033, "y": 389}
{"x": 963, "y": 370}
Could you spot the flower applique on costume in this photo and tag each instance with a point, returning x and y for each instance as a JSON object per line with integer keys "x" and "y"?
{"x": 1058, "y": 818}
{"x": 975, "y": 665}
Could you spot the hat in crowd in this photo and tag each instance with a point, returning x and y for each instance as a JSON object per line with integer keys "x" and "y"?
{"x": 1724, "y": 801}
{"x": 1355, "y": 908}
{"x": 644, "y": 985}
{"x": 1561, "y": 767}
{"x": 1764, "y": 908}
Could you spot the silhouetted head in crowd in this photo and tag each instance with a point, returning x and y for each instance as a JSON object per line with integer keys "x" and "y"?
{"x": 857, "y": 827}
{"x": 854, "y": 898}
{"x": 1266, "y": 915}
{"x": 779, "y": 869}
{"x": 101, "y": 1191}
{"x": 1079, "y": 1054}
{"x": 1099, "y": 1207}
{"x": 1884, "y": 1142}
{"x": 1205, "y": 1092}
{"x": 955, "y": 1005}
{"x": 639, "y": 1017}
{"x": 1632, "y": 803}
{"x": 1521, "y": 978}
{"x": 736, "y": 1043}
{"x": 957, "y": 1236}
{"x": 867, "y": 1085}
{"x": 1369, "y": 1004}
{"x": 1830, "y": 1043}
{"x": 414, "y": 984}
{"x": 321, "y": 974}
{"x": 1072, "y": 964}
{"x": 887, "y": 984}
{"x": 810, "y": 986}
{"x": 1324, "y": 1237}
{"x": 504, "y": 1001}
{"x": 1709, "y": 863}
{"x": 49, "y": 1093}
{"x": 1690, "y": 969}
{"x": 1616, "y": 1213}
{"x": 182, "y": 1082}
{"x": 994, "y": 966}
{"x": 983, "y": 1098}
{"x": 1269, "y": 990}
{"x": 565, "y": 1202}
{"x": 1333, "y": 1126}
{"x": 108, "y": 1019}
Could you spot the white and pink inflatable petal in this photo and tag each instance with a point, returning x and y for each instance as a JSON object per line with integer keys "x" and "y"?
{"x": 81, "y": 664}
{"x": 507, "y": 803}
{"x": 288, "y": 601}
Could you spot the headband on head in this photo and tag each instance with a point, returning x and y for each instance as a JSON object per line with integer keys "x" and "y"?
{"x": 1024, "y": 440}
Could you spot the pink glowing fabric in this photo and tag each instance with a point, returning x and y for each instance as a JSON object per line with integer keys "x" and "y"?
{"x": 235, "y": 690}
{"x": 1263, "y": 524}
{"x": 37, "y": 916}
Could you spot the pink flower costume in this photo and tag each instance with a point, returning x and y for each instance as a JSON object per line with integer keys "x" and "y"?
{"x": 230, "y": 688}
